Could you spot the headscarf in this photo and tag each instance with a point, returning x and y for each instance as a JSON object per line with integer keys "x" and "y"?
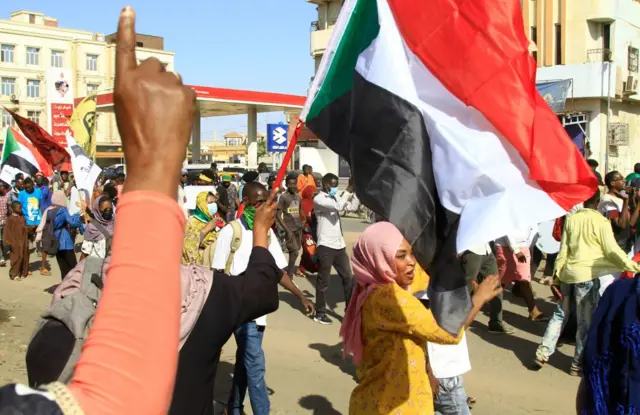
{"x": 373, "y": 260}
{"x": 92, "y": 233}
{"x": 611, "y": 358}
{"x": 307, "y": 199}
{"x": 58, "y": 199}
{"x": 201, "y": 212}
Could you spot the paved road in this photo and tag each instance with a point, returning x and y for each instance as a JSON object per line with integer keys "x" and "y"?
{"x": 305, "y": 371}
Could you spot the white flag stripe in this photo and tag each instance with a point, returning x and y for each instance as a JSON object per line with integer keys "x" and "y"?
{"x": 489, "y": 187}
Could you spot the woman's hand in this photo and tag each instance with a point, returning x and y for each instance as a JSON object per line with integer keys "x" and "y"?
{"x": 154, "y": 111}
{"x": 264, "y": 219}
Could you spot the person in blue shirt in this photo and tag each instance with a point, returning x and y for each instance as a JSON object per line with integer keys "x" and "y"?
{"x": 43, "y": 184}
{"x": 62, "y": 222}
{"x": 31, "y": 198}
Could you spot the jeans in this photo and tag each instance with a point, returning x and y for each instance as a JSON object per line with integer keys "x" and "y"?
{"x": 249, "y": 372}
{"x": 338, "y": 258}
{"x": 475, "y": 265}
{"x": 5, "y": 254}
{"x": 585, "y": 297}
{"x": 452, "y": 399}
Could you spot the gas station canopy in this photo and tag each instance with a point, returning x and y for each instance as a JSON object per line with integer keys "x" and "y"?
{"x": 218, "y": 102}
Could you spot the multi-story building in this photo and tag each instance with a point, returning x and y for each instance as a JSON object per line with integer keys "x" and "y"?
{"x": 594, "y": 45}
{"x": 35, "y": 53}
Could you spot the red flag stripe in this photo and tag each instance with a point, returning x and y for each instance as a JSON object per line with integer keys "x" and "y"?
{"x": 478, "y": 50}
{"x": 55, "y": 154}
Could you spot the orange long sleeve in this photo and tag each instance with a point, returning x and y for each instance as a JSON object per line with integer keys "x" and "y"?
{"x": 129, "y": 361}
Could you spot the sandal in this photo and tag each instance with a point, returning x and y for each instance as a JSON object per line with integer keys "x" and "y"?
{"x": 471, "y": 401}
{"x": 45, "y": 271}
{"x": 540, "y": 318}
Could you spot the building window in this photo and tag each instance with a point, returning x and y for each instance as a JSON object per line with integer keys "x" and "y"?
{"x": 33, "y": 88}
{"x": 34, "y": 116}
{"x": 33, "y": 56}
{"x": 57, "y": 58}
{"x": 558, "y": 44}
{"x": 92, "y": 63}
{"x": 92, "y": 88}
{"x": 606, "y": 42}
{"x": 8, "y": 86}
{"x": 6, "y": 53}
{"x": 634, "y": 58}
{"x": 7, "y": 119}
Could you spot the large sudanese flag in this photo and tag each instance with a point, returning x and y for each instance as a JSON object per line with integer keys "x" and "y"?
{"x": 434, "y": 105}
{"x": 55, "y": 153}
{"x": 19, "y": 155}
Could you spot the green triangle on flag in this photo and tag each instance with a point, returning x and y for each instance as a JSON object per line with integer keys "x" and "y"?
{"x": 10, "y": 145}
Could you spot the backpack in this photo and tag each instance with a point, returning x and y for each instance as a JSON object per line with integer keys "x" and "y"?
{"x": 236, "y": 241}
{"x": 49, "y": 240}
{"x": 63, "y": 328}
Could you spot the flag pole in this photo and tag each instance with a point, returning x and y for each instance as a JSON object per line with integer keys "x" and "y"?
{"x": 289, "y": 153}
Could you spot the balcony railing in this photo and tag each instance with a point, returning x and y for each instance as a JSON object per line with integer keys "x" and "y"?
{"x": 599, "y": 55}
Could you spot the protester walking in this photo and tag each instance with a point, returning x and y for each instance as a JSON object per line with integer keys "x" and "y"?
{"x": 228, "y": 202}
{"x": 16, "y": 241}
{"x": 232, "y": 254}
{"x": 99, "y": 231}
{"x": 513, "y": 255}
{"x": 386, "y": 328}
{"x": 309, "y": 259}
{"x": 588, "y": 250}
{"x": 306, "y": 179}
{"x": 30, "y": 198}
{"x": 5, "y": 211}
{"x": 202, "y": 229}
{"x": 479, "y": 261}
{"x": 291, "y": 218}
{"x": 63, "y": 224}
{"x": 617, "y": 206}
{"x": 331, "y": 251}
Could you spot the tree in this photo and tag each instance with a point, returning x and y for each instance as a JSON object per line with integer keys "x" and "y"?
{"x": 262, "y": 148}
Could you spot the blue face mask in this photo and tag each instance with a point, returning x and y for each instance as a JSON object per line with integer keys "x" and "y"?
{"x": 333, "y": 191}
{"x": 212, "y": 208}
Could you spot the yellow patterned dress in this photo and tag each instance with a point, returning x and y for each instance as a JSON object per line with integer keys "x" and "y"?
{"x": 193, "y": 247}
{"x": 393, "y": 378}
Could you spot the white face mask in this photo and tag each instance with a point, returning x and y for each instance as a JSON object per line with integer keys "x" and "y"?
{"x": 212, "y": 208}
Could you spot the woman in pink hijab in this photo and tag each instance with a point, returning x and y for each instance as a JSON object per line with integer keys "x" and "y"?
{"x": 386, "y": 328}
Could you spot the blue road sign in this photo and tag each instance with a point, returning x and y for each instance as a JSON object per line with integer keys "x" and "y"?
{"x": 277, "y": 140}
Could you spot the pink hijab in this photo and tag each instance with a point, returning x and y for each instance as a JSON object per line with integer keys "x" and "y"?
{"x": 373, "y": 259}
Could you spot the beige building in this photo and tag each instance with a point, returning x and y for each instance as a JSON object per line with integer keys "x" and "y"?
{"x": 595, "y": 44}
{"x": 31, "y": 44}
{"x": 576, "y": 40}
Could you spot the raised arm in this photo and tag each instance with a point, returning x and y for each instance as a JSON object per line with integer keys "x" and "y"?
{"x": 129, "y": 361}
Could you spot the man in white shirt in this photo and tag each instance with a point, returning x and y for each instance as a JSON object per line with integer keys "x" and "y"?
{"x": 250, "y": 364}
{"x": 331, "y": 249}
{"x": 479, "y": 261}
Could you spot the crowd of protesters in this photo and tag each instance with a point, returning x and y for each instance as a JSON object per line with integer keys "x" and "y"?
{"x": 145, "y": 354}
